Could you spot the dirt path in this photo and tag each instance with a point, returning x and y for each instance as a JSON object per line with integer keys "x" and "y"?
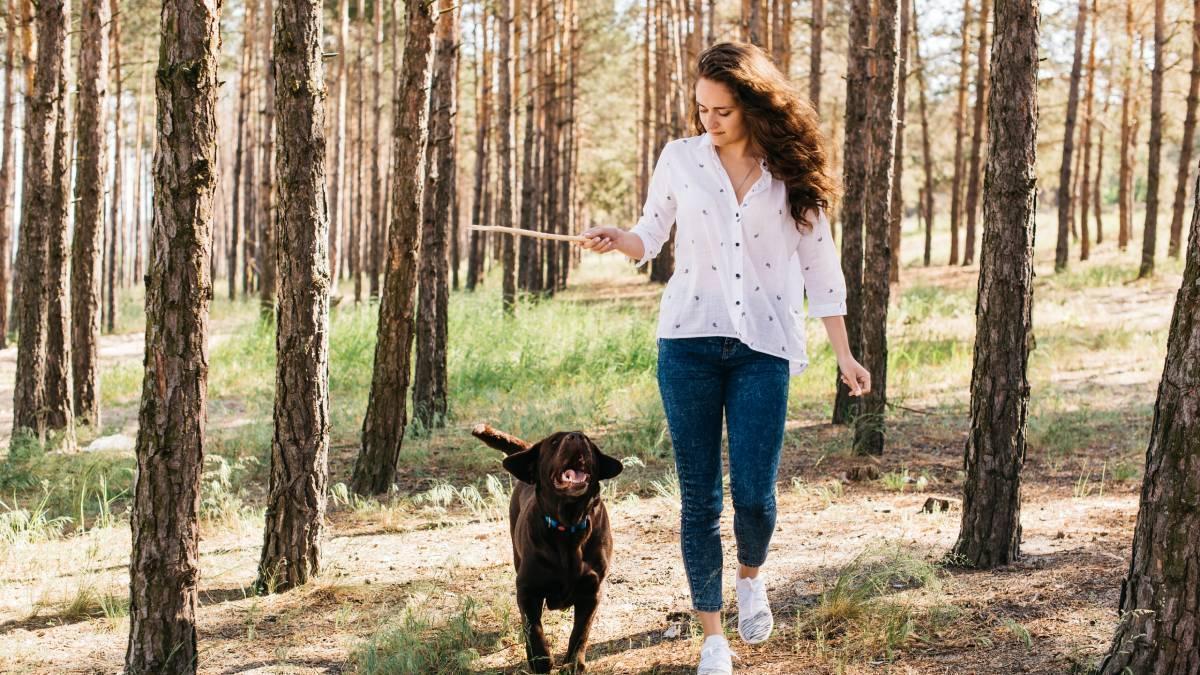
{"x": 1063, "y": 591}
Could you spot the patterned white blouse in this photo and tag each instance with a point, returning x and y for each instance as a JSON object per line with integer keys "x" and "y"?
{"x": 741, "y": 270}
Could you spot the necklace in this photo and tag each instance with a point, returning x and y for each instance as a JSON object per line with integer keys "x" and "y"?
{"x": 739, "y": 186}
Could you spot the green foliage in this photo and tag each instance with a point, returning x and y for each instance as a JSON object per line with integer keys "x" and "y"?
{"x": 418, "y": 642}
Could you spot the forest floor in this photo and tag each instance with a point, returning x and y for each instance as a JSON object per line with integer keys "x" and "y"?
{"x": 425, "y": 573}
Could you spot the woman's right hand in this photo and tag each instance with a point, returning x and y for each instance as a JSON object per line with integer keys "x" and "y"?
{"x": 602, "y": 239}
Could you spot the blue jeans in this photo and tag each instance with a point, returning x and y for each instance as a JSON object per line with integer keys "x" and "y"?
{"x": 699, "y": 379}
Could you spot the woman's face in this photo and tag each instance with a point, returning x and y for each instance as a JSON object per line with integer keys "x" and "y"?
{"x": 720, "y": 115}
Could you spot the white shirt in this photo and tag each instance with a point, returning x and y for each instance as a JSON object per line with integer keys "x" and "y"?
{"x": 741, "y": 270}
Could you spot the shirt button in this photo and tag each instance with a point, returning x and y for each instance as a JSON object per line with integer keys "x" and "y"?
{"x": 737, "y": 276}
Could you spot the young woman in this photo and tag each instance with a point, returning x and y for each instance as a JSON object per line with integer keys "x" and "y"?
{"x": 748, "y": 198}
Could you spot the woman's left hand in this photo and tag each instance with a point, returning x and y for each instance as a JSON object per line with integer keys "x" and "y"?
{"x": 856, "y": 377}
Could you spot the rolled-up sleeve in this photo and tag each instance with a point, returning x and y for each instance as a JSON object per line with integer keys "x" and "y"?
{"x": 824, "y": 283}
{"x": 658, "y": 214}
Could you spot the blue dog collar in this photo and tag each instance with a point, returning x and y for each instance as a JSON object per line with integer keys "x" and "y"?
{"x": 577, "y": 527}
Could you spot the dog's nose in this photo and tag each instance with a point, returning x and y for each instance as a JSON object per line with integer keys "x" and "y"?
{"x": 574, "y": 436}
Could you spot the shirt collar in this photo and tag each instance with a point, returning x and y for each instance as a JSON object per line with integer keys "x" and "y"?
{"x": 706, "y": 145}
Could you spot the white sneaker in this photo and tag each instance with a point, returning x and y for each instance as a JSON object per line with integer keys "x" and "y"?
{"x": 715, "y": 656}
{"x": 755, "y": 621}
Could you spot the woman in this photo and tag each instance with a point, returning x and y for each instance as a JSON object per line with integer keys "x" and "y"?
{"x": 748, "y": 197}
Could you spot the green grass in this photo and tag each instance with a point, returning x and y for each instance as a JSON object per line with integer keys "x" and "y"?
{"x": 419, "y": 642}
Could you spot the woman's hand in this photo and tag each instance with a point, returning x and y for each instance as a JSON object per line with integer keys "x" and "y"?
{"x": 603, "y": 239}
{"x": 854, "y": 375}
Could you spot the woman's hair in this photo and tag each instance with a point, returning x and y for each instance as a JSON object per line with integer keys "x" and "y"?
{"x": 781, "y": 124}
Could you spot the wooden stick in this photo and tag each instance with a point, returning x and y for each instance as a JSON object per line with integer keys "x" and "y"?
{"x": 526, "y": 233}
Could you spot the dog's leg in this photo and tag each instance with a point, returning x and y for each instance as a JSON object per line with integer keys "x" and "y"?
{"x": 585, "y": 611}
{"x": 536, "y": 651}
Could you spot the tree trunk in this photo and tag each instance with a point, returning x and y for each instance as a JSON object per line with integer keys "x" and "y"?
{"x": 240, "y": 151}
{"x": 897, "y": 207}
{"x": 89, "y": 213}
{"x": 1159, "y": 631}
{"x": 429, "y": 381}
{"x": 1062, "y": 252}
{"x": 386, "y": 418}
{"x": 59, "y": 388}
{"x": 960, "y": 131}
{"x": 6, "y": 163}
{"x": 814, "y": 69}
{"x": 663, "y": 265}
{"x": 114, "y": 213}
{"x": 881, "y": 102}
{"x": 995, "y": 451}
{"x": 1124, "y": 181}
{"x": 981, "y": 101}
{"x": 1189, "y": 136}
{"x": 375, "y": 239}
{"x": 295, "y": 513}
{"x": 338, "y": 180}
{"x": 1086, "y": 179}
{"x": 170, "y": 442}
{"x": 38, "y": 226}
{"x": 138, "y": 206}
{"x": 1097, "y": 195}
{"x": 926, "y": 207}
{"x": 509, "y": 291}
{"x": 1154, "y": 160}
{"x": 27, "y": 62}
{"x": 483, "y": 62}
{"x": 249, "y": 191}
{"x": 856, "y": 168}
{"x": 266, "y": 235}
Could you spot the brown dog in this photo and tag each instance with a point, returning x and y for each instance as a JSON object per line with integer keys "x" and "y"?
{"x": 560, "y": 534}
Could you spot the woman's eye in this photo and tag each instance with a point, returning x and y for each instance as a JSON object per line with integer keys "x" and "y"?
{"x": 724, "y": 114}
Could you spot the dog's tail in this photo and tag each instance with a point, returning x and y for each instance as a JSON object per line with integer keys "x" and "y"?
{"x": 506, "y": 443}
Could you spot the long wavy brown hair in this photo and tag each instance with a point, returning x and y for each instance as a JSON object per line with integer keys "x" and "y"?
{"x": 782, "y": 125}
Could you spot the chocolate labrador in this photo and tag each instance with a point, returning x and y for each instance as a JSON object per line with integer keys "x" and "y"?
{"x": 560, "y": 534}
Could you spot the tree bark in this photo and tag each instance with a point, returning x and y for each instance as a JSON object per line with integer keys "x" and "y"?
{"x": 1153, "y": 162}
{"x": 6, "y": 163}
{"x": 897, "y": 207}
{"x": 1085, "y": 193}
{"x": 1159, "y": 630}
{"x": 814, "y": 69}
{"x": 960, "y": 131}
{"x": 266, "y": 235}
{"x": 338, "y": 182}
{"x": 856, "y": 168}
{"x": 483, "y": 60}
{"x": 926, "y": 153}
{"x": 663, "y": 265}
{"x": 1062, "y": 252}
{"x": 240, "y": 151}
{"x": 1124, "y": 178}
{"x": 138, "y": 206}
{"x": 114, "y": 214}
{"x": 89, "y": 213}
{"x": 375, "y": 239}
{"x": 386, "y": 417}
{"x": 977, "y": 138}
{"x": 505, "y": 25}
{"x": 295, "y": 512}
{"x": 881, "y": 102}
{"x": 1189, "y": 137}
{"x": 429, "y": 383}
{"x": 171, "y": 421}
{"x": 59, "y": 388}
{"x": 995, "y": 451}
{"x": 39, "y": 194}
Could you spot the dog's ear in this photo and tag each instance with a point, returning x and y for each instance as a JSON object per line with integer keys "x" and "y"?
{"x": 606, "y": 467}
{"x": 506, "y": 443}
{"x": 524, "y": 464}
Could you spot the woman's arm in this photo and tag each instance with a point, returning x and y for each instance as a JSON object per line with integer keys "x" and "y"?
{"x": 853, "y": 373}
